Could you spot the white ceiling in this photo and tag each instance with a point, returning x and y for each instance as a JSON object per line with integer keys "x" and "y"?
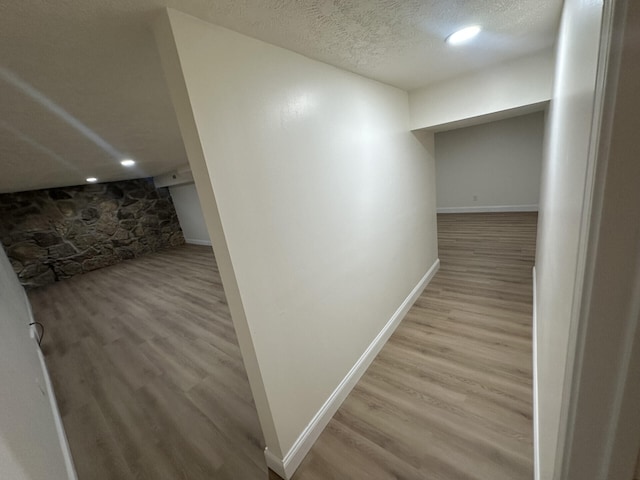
{"x": 81, "y": 84}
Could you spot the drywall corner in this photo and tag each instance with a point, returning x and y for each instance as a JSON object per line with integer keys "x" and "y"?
{"x": 180, "y": 97}
{"x": 286, "y": 467}
{"x": 301, "y": 166}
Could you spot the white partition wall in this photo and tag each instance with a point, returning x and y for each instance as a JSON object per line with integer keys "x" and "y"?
{"x": 490, "y": 167}
{"x": 321, "y": 207}
{"x": 32, "y": 442}
{"x": 187, "y": 205}
{"x": 565, "y": 203}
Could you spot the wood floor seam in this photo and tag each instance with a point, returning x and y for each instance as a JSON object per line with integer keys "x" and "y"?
{"x": 150, "y": 381}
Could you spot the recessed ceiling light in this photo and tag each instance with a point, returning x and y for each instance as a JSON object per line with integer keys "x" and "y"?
{"x": 463, "y": 35}
{"x": 92, "y": 179}
{"x": 127, "y": 162}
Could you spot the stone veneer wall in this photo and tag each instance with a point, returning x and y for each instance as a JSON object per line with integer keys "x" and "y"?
{"x": 60, "y": 232}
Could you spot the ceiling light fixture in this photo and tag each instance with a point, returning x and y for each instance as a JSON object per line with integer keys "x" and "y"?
{"x": 127, "y": 162}
{"x": 463, "y": 35}
{"x": 92, "y": 179}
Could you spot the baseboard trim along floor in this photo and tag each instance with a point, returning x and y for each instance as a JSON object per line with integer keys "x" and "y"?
{"x": 536, "y": 419}
{"x": 287, "y": 466}
{"x": 62, "y": 436}
{"x": 489, "y": 209}
{"x": 195, "y": 241}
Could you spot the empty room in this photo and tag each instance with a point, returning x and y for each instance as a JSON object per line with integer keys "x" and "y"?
{"x": 319, "y": 240}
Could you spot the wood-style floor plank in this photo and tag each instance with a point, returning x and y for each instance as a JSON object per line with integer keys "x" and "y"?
{"x": 148, "y": 373}
{"x": 151, "y": 385}
{"x": 449, "y": 397}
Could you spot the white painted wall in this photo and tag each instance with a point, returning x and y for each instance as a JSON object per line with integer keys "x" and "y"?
{"x": 187, "y": 204}
{"x": 603, "y": 417}
{"x": 567, "y": 167}
{"x": 30, "y": 447}
{"x": 491, "y": 166}
{"x": 319, "y": 201}
{"x": 493, "y": 93}
{"x": 180, "y": 176}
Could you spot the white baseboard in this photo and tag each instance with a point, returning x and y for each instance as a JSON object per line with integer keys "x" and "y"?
{"x": 62, "y": 436}
{"x": 536, "y": 418}
{"x": 485, "y": 209}
{"x": 276, "y": 464}
{"x": 287, "y": 466}
{"x": 195, "y": 241}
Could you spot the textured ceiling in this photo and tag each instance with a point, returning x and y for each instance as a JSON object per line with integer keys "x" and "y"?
{"x": 81, "y": 84}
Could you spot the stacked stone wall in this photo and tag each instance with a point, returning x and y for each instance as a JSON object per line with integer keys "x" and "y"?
{"x": 57, "y": 233}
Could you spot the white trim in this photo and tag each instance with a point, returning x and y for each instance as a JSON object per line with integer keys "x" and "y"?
{"x": 275, "y": 463}
{"x": 195, "y": 241}
{"x": 607, "y": 406}
{"x": 62, "y": 436}
{"x": 489, "y": 208}
{"x": 287, "y": 466}
{"x": 536, "y": 412}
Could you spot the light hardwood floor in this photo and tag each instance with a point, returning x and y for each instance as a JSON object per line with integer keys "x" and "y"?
{"x": 449, "y": 397}
{"x": 151, "y": 385}
{"x": 147, "y": 371}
